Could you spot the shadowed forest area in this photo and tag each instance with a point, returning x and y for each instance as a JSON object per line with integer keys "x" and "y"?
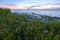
{"x": 14, "y": 27}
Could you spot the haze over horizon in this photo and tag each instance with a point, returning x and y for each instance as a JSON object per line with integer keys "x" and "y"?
{"x": 30, "y": 4}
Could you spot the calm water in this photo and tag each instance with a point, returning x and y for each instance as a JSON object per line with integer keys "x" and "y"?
{"x": 44, "y": 12}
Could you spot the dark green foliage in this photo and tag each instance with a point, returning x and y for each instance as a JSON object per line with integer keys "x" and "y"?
{"x": 15, "y": 27}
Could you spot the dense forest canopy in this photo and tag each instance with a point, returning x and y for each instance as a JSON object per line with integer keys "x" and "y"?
{"x": 15, "y": 27}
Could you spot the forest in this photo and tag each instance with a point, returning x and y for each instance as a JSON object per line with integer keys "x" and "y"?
{"x": 15, "y": 27}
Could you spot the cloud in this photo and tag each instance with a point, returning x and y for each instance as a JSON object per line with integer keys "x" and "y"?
{"x": 11, "y": 6}
{"x": 46, "y": 7}
{"x": 30, "y": 6}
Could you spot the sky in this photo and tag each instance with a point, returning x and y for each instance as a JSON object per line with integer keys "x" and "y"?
{"x": 30, "y": 4}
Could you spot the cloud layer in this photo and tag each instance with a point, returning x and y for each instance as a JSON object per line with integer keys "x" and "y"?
{"x": 11, "y": 7}
{"x": 31, "y": 7}
{"x": 46, "y": 7}
{"x": 30, "y": 4}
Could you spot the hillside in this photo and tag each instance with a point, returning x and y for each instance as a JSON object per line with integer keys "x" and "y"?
{"x": 16, "y": 27}
{"x": 34, "y": 16}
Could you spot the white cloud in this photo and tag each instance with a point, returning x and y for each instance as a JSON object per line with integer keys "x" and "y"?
{"x": 46, "y": 7}
{"x": 12, "y": 7}
{"x": 29, "y": 6}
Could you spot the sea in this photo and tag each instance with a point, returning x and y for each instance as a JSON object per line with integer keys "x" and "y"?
{"x": 54, "y": 13}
